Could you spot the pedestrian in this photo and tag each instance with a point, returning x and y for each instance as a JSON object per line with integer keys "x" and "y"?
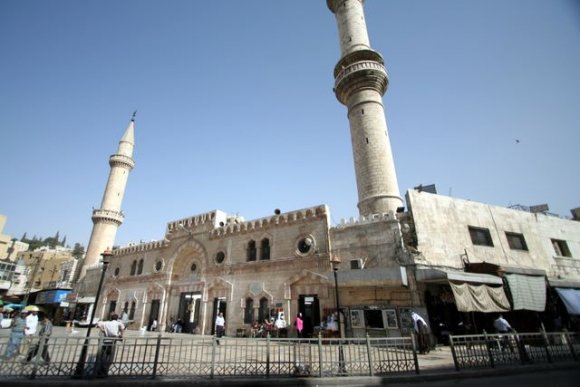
{"x": 280, "y": 325}
{"x": 220, "y": 326}
{"x": 112, "y": 331}
{"x": 422, "y": 331}
{"x": 179, "y": 326}
{"x": 31, "y": 322}
{"x": 45, "y": 332}
{"x": 125, "y": 318}
{"x": 16, "y": 335}
{"x": 501, "y": 325}
{"x": 299, "y": 324}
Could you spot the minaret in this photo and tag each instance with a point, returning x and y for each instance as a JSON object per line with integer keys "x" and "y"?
{"x": 360, "y": 82}
{"x": 108, "y": 218}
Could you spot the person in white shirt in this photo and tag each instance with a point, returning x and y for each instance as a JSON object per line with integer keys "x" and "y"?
{"x": 220, "y": 326}
{"x": 501, "y": 325}
{"x": 422, "y": 331}
{"x": 113, "y": 331}
{"x": 31, "y": 323}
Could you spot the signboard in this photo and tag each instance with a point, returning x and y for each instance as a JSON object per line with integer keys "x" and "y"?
{"x": 72, "y": 297}
{"x": 51, "y": 296}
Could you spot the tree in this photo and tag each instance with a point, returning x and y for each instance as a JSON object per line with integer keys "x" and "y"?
{"x": 78, "y": 251}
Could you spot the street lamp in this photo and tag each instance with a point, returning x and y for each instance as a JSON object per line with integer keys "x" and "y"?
{"x": 341, "y": 366}
{"x": 107, "y": 254}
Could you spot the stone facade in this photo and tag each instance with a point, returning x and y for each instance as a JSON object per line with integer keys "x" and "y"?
{"x": 442, "y": 225}
{"x": 254, "y": 269}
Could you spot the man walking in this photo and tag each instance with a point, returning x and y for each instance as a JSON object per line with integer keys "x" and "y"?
{"x": 220, "y": 326}
{"x": 16, "y": 335}
{"x": 112, "y": 331}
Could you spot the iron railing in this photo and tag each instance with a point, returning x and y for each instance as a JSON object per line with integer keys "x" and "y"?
{"x": 495, "y": 350}
{"x": 206, "y": 357}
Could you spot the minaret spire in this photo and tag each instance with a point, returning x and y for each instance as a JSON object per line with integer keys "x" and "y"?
{"x": 108, "y": 218}
{"x": 360, "y": 82}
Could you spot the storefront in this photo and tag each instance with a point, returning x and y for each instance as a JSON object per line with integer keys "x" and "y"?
{"x": 50, "y": 302}
{"x": 563, "y": 307}
{"x": 461, "y": 302}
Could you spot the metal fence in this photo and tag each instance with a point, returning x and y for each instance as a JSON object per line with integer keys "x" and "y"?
{"x": 207, "y": 357}
{"x": 495, "y": 350}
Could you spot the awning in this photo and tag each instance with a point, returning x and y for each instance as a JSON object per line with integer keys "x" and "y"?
{"x": 442, "y": 276}
{"x": 571, "y": 299}
{"x": 479, "y": 298}
{"x": 472, "y": 291}
{"x": 86, "y": 300}
{"x": 528, "y": 291}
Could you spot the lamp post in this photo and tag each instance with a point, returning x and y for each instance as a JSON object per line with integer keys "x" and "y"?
{"x": 341, "y": 366}
{"x": 80, "y": 369}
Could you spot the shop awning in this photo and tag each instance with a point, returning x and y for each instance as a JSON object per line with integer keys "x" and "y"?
{"x": 442, "y": 276}
{"x": 571, "y": 299}
{"x": 473, "y": 292}
{"x": 86, "y": 300}
{"x": 528, "y": 291}
{"x": 479, "y": 298}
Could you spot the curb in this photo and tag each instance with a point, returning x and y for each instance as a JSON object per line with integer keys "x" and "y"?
{"x": 431, "y": 376}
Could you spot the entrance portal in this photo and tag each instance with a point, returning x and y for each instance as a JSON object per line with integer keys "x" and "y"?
{"x": 153, "y": 314}
{"x": 309, "y": 306}
{"x": 219, "y": 306}
{"x": 189, "y": 309}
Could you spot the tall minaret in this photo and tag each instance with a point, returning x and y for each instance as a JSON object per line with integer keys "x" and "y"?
{"x": 108, "y": 218}
{"x": 360, "y": 82}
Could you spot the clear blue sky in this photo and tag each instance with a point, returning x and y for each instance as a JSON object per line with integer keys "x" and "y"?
{"x": 236, "y": 110}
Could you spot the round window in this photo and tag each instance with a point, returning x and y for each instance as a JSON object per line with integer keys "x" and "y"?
{"x": 193, "y": 267}
{"x": 158, "y": 265}
{"x": 220, "y": 256}
{"x": 117, "y": 270}
{"x": 305, "y": 245}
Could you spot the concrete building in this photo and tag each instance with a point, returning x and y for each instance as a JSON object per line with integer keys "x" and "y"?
{"x": 9, "y": 247}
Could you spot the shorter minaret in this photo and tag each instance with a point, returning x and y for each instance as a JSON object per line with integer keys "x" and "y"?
{"x": 108, "y": 218}
{"x": 360, "y": 83}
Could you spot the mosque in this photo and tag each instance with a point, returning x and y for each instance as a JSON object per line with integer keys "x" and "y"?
{"x": 450, "y": 260}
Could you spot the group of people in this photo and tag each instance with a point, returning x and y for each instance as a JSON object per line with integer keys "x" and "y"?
{"x": 26, "y": 323}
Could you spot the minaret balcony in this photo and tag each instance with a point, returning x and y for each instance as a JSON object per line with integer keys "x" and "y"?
{"x": 121, "y": 160}
{"x": 362, "y": 69}
{"x": 108, "y": 216}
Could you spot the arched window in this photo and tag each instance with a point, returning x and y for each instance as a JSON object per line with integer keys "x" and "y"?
{"x": 251, "y": 250}
{"x": 132, "y": 311}
{"x": 263, "y": 313}
{"x": 140, "y": 269}
{"x": 249, "y": 312}
{"x": 265, "y": 249}
{"x": 133, "y": 267}
{"x": 112, "y": 307}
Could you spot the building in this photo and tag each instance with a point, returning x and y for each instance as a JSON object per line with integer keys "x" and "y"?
{"x": 9, "y": 247}
{"x": 466, "y": 252}
{"x": 377, "y": 269}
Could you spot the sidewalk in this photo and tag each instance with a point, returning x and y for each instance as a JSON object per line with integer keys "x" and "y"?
{"x": 436, "y": 366}
{"x": 438, "y": 359}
